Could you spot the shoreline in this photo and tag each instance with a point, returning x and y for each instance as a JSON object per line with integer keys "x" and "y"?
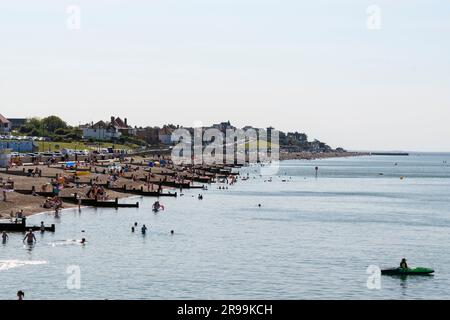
{"x": 32, "y": 205}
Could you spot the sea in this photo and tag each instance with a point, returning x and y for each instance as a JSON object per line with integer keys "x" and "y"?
{"x": 290, "y": 233}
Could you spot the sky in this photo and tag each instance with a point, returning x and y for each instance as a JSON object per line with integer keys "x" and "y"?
{"x": 336, "y": 69}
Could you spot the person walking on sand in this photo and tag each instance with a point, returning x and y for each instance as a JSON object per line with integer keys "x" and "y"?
{"x": 30, "y": 237}
{"x": 4, "y": 191}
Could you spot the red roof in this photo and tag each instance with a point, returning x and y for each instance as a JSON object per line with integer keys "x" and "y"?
{"x": 3, "y": 119}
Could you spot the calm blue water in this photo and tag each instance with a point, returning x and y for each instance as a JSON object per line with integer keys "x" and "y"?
{"x": 311, "y": 238}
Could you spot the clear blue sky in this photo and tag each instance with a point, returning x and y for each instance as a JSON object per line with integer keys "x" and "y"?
{"x": 310, "y": 66}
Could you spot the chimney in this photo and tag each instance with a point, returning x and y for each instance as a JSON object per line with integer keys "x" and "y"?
{"x": 112, "y": 120}
{"x": 125, "y": 120}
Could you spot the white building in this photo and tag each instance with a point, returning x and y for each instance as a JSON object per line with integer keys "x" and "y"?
{"x": 5, "y": 156}
{"x": 101, "y": 131}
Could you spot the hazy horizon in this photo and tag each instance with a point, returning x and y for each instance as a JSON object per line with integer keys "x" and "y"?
{"x": 297, "y": 66}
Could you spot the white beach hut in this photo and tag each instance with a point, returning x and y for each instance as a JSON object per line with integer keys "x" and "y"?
{"x": 5, "y": 156}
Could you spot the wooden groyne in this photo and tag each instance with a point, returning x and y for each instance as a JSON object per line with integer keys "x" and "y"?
{"x": 98, "y": 203}
{"x": 22, "y": 227}
{"x": 142, "y": 192}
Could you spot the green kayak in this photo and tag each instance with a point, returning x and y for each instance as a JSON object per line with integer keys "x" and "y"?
{"x": 400, "y": 271}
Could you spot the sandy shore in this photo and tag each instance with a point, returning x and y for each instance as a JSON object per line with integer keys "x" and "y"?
{"x": 34, "y": 204}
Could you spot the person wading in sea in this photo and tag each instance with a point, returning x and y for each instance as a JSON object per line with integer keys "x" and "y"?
{"x": 20, "y": 295}
{"x": 30, "y": 237}
{"x": 4, "y": 236}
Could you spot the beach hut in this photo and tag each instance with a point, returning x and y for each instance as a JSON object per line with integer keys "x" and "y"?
{"x": 5, "y": 157}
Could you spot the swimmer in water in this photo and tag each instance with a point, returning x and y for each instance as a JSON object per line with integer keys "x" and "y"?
{"x": 172, "y": 232}
{"x": 30, "y": 237}
{"x": 20, "y": 294}
{"x": 132, "y": 229}
{"x": 83, "y": 241}
{"x": 143, "y": 229}
{"x": 42, "y": 228}
{"x": 135, "y": 224}
{"x": 4, "y": 236}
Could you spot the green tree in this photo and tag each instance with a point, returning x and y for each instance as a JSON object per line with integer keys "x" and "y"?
{"x": 52, "y": 123}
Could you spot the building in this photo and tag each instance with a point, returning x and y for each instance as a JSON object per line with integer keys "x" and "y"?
{"x": 148, "y": 134}
{"x": 165, "y": 135}
{"x": 112, "y": 130}
{"x": 223, "y": 126}
{"x": 122, "y": 126}
{"x": 16, "y": 123}
{"x": 5, "y": 125}
{"x": 101, "y": 131}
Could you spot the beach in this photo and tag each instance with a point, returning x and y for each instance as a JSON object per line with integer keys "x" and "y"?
{"x": 98, "y": 172}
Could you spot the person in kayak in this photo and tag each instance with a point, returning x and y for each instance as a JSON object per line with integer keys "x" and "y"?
{"x": 403, "y": 264}
{"x": 30, "y": 237}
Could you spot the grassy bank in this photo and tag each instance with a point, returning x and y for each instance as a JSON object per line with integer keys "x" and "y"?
{"x": 45, "y": 146}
